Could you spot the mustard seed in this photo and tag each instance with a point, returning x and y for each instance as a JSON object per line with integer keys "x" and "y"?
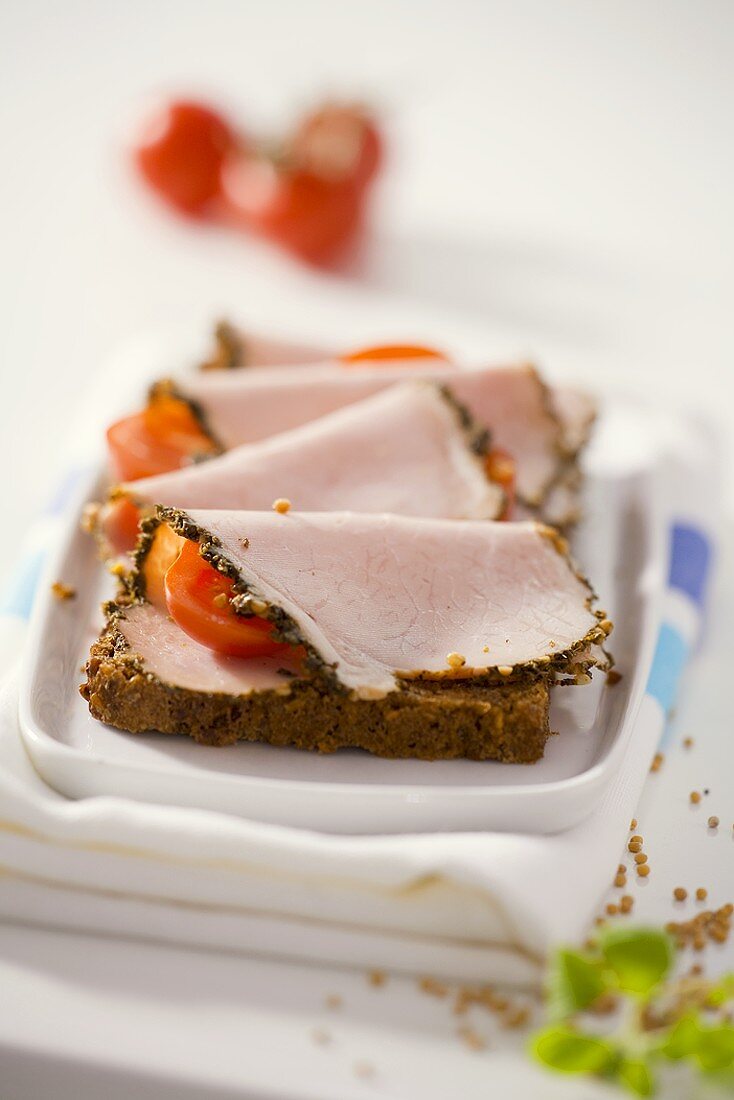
{"x": 680, "y": 893}
{"x": 620, "y": 880}
{"x": 643, "y": 870}
{"x": 640, "y": 857}
{"x": 281, "y": 505}
{"x": 455, "y": 660}
{"x": 636, "y": 839}
{"x": 634, "y": 846}
{"x": 687, "y": 742}
{"x": 701, "y": 894}
{"x": 612, "y": 909}
{"x": 626, "y": 903}
{"x": 713, "y": 822}
{"x": 633, "y": 824}
{"x": 695, "y": 797}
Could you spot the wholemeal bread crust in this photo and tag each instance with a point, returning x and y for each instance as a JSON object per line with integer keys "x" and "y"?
{"x": 423, "y": 720}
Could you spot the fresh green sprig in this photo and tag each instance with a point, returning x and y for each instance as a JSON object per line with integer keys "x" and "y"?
{"x": 653, "y": 1019}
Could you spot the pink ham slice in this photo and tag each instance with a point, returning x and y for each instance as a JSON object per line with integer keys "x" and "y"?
{"x": 402, "y": 450}
{"x": 177, "y": 659}
{"x": 246, "y": 406}
{"x": 382, "y": 596}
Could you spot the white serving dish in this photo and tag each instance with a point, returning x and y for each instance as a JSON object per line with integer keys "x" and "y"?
{"x": 619, "y": 544}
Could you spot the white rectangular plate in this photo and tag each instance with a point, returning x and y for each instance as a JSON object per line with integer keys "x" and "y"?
{"x": 619, "y": 544}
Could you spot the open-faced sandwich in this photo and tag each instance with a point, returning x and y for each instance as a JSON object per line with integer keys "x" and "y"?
{"x": 402, "y": 636}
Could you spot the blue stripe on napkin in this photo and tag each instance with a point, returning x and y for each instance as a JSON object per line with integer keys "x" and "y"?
{"x": 18, "y": 594}
{"x": 668, "y": 663}
{"x": 690, "y": 562}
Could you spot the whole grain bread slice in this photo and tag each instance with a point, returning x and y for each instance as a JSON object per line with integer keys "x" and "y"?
{"x": 423, "y": 720}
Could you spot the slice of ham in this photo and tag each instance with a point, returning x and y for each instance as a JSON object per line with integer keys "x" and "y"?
{"x": 247, "y": 406}
{"x": 382, "y": 597}
{"x": 403, "y": 450}
{"x": 177, "y": 659}
{"x": 234, "y": 348}
{"x": 576, "y": 411}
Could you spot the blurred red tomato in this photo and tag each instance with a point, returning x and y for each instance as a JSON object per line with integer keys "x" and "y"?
{"x": 181, "y": 152}
{"x": 337, "y": 143}
{"x": 314, "y": 217}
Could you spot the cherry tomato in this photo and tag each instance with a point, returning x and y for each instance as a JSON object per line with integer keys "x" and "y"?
{"x": 337, "y": 143}
{"x": 316, "y": 218}
{"x": 500, "y": 468}
{"x": 391, "y": 352}
{"x": 197, "y": 597}
{"x": 161, "y": 438}
{"x": 180, "y": 154}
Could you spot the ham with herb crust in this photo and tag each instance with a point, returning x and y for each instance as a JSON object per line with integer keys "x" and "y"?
{"x": 381, "y": 598}
{"x": 513, "y": 403}
{"x": 407, "y": 450}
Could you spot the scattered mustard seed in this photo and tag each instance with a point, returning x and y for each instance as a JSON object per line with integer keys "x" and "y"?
{"x": 695, "y": 797}
{"x": 612, "y": 909}
{"x": 620, "y": 880}
{"x": 701, "y": 894}
{"x": 640, "y": 857}
{"x": 634, "y": 845}
{"x": 643, "y": 870}
{"x": 471, "y": 1038}
{"x": 713, "y": 822}
{"x": 687, "y": 742}
{"x": 485, "y": 649}
{"x": 433, "y": 987}
{"x": 626, "y": 903}
{"x": 455, "y": 660}
{"x": 63, "y": 591}
{"x": 377, "y": 978}
{"x": 657, "y": 762}
{"x": 633, "y": 824}
{"x": 680, "y": 893}
{"x": 281, "y": 505}
{"x": 363, "y": 1069}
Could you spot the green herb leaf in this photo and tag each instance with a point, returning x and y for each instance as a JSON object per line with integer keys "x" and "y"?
{"x": 636, "y": 1077}
{"x": 640, "y": 957}
{"x": 715, "y": 1050}
{"x": 574, "y": 982}
{"x": 570, "y": 1051}
{"x": 722, "y": 991}
{"x": 683, "y": 1038}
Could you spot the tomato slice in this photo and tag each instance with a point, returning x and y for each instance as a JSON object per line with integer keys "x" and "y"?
{"x": 500, "y": 467}
{"x": 161, "y": 438}
{"x": 120, "y": 519}
{"x": 391, "y": 352}
{"x": 197, "y": 596}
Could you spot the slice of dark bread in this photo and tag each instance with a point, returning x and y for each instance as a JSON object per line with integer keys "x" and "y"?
{"x": 427, "y": 720}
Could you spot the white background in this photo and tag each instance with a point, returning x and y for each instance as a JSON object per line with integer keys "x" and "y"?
{"x": 561, "y": 173}
{"x": 561, "y": 180}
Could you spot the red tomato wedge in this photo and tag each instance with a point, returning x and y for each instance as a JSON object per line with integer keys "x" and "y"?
{"x": 121, "y": 518}
{"x": 500, "y": 468}
{"x": 391, "y": 352}
{"x": 161, "y": 438}
{"x": 197, "y": 597}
